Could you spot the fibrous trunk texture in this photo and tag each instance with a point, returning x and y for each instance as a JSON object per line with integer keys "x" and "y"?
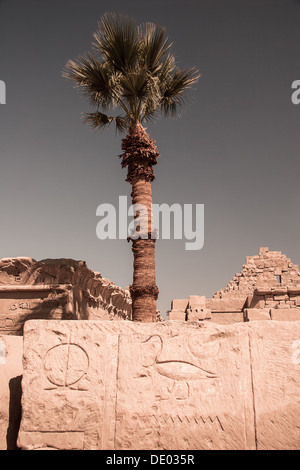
{"x": 140, "y": 154}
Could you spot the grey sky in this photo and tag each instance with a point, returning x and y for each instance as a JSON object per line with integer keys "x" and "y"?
{"x": 235, "y": 149}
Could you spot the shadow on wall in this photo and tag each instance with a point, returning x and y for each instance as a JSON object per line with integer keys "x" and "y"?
{"x": 15, "y": 392}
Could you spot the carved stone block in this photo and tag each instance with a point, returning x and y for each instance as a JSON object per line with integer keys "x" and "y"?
{"x": 171, "y": 385}
{"x": 11, "y": 350}
{"x": 23, "y": 302}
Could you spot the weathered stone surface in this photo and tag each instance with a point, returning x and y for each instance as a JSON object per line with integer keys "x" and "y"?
{"x": 23, "y": 302}
{"x": 197, "y": 301}
{"x": 290, "y": 314}
{"x": 226, "y": 318}
{"x": 252, "y": 314}
{"x": 198, "y": 314}
{"x": 268, "y": 280}
{"x": 256, "y": 301}
{"x": 171, "y": 385}
{"x": 56, "y": 289}
{"x": 226, "y": 305}
{"x": 276, "y": 385}
{"x": 266, "y": 271}
{"x": 179, "y": 304}
{"x": 177, "y": 315}
{"x": 11, "y": 352}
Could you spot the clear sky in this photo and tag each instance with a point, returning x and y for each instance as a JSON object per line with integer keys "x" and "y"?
{"x": 235, "y": 149}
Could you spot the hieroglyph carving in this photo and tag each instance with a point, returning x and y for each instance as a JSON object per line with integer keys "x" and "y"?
{"x": 129, "y": 385}
{"x": 65, "y": 365}
{"x": 170, "y": 385}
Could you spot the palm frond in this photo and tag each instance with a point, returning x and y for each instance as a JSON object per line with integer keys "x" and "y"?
{"x": 154, "y": 46}
{"x": 167, "y": 69}
{"x": 117, "y": 40}
{"x": 134, "y": 70}
{"x": 173, "y": 96}
{"x": 134, "y": 84}
{"x": 99, "y": 120}
{"x": 149, "y": 113}
{"x": 93, "y": 78}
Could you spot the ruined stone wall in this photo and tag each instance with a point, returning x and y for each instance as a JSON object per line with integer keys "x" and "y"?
{"x": 267, "y": 288}
{"x": 268, "y": 269}
{"x": 56, "y": 289}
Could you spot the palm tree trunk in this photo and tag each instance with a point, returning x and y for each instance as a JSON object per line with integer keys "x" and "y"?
{"x": 144, "y": 290}
{"x": 140, "y": 154}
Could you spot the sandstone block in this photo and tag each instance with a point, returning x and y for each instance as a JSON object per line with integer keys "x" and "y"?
{"x": 177, "y": 315}
{"x": 263, "y": 250}
{"x": 113, "y": 385}
{"x": 11, "y": 351}
{"x": 288, "y": 314}
{"x": 196, "y": 314}
{"x": 252, "y": 314}
{"x": 56, "y": 289}
{"x": 226, "y": 304}
{"x": 282, "y": 305}
{"x": 281, "y": 297}
{"x": 271, "y": 304}
{"x": 294, "y": 290}
{"x": 24, "y": 302}
{"x": 269, "y": 298}
{"x": 95, "y": 385}
{"x": 197, "y": 301}
{"x": 179, "y": 304}
{"x": 276, "y": 366}
{"x": 226, "y": 318}
{"x": 256, "y": 301}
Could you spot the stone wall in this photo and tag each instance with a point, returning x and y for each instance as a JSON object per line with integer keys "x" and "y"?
{"x": 11, "y": 369}
{"x": 266, "y": 270}
{"x": 268, "y": 287}
{"x": 56, "y": 289}
{"x": 160, "y": 386}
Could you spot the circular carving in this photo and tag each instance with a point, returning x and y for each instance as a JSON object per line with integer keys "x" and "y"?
{"x": 65, "y": 364}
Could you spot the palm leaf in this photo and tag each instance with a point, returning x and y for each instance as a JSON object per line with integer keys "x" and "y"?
{"x": 173, "y": 95}
{"x": 134, "y": 70}
{"x": 154, "y": 46}
{"x": 93, "y": 78}
{"x": 117, "y": 40}
{"x": 99, "y": 120}
{"x": 134, "y": 84}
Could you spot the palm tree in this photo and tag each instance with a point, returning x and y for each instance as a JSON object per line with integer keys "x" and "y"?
{"x": 134, "y": 76}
